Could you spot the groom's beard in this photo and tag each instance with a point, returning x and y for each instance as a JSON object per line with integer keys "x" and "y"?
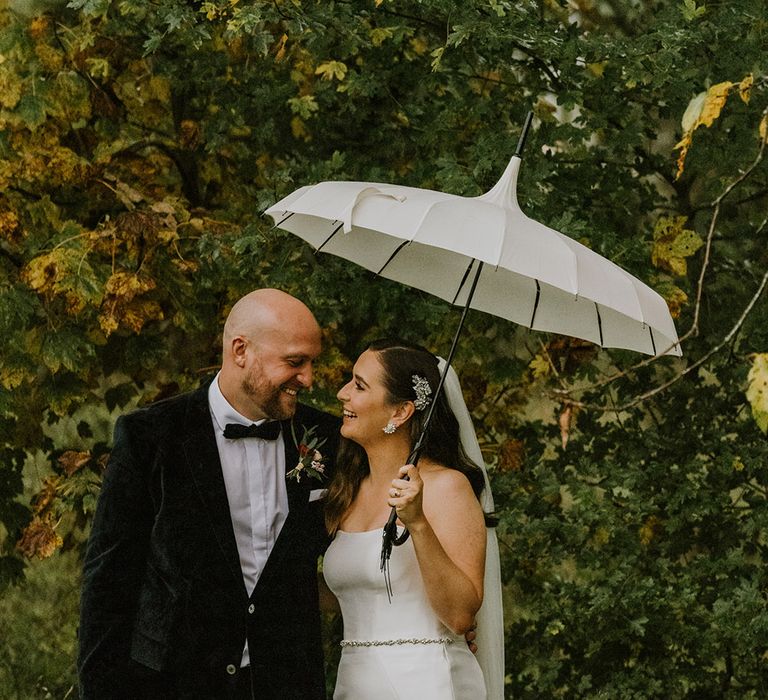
{"x": 271, "y": 400}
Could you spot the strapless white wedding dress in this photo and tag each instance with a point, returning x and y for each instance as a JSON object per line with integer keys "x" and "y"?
{"x": 397, "y": 650}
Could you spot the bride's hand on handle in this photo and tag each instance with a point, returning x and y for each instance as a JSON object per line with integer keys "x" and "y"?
{"x": 406, "y": 497}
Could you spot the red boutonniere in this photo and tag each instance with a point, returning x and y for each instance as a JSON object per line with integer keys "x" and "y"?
{"x": 310, "y": 457}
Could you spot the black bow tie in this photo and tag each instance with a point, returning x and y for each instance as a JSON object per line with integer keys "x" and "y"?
{"x": 268, "y": 430}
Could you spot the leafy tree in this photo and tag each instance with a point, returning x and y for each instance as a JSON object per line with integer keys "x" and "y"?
{"x": 140, "y": 141}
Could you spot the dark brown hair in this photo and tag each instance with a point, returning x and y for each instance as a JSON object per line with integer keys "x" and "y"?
{"x": 400, "y": 360}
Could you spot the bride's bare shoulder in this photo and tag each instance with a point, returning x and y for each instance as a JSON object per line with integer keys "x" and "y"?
{"x": 439, "y": 477}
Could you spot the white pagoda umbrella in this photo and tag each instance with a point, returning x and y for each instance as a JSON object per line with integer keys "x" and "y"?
{"x": 525, "y": 272}
{"x": 482, "y": 253}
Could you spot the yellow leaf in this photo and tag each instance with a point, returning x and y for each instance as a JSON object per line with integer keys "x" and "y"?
{"x": 763, "y": 128}
{"x": 757, "y": 390}
{"x": 702, "y": 110}
{"x": 280, "y": 52}
{"x": 418, "y": 45}
{"x": 98, "y": 67}
{"x": 210, "y": 9}
{"x": 9, "y": 227}
{"x": 380, "y": 35}
{"x": 650, "y": 530}
{"x": 11, "y": 377}
{"x": 597, "y": 69}
{"x": 540, "y": 367}
{"x": 672, "y": 244}
{"x": 121, "y": 305}
{"x": 331, "y": 70}
{"x": 50, "y": 59}
{"x": 299, "y": 129}
{"x": 714, "y": 102}
{"x": 676, "y": 299}
{"x": 46, "y": 497}
{"x": 139, "y": 312}
{"x": 44, "y": 272}
{"x": 745, "y": 88}
{"x": 437, "y": 56}
{"x": 683, "y": 145}
{"x": 601, "y": 537}
{"x": 10, "y": 88}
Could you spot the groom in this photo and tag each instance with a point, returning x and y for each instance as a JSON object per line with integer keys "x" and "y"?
{"x": 200, "y": 574}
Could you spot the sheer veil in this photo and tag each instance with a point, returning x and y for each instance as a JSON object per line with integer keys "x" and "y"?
{"x": 490, "y": 617}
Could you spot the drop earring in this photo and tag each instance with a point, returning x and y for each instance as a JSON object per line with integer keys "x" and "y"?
{"x": 389, "y": 428}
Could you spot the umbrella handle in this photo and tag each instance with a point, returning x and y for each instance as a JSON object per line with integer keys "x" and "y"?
{"x": 390, "y": 536}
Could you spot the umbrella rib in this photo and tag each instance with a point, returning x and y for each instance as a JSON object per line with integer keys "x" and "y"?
{"x": 322, "y": 245}
{"x": 392, "y": 257}
{"x": 653, "y": 342}
{"x": 535, "y": 303}
{"x": 463, "y": 280}
{"x": 282, "y": 221}
{"x": 599, "y": 324}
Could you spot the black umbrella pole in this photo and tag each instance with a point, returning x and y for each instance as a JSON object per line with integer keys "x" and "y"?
{"x": 390, "y": 529}
{"x": 524, "y": 134}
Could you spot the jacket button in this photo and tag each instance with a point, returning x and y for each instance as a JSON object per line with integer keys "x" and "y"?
{"x": 251, "y": 609}
{"x": 231, "y": 669}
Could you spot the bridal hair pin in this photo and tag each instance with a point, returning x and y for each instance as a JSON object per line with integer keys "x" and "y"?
{"x": 423, "y": 391}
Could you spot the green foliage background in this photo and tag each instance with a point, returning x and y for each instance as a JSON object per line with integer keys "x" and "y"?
{"x": 139, "y": 142}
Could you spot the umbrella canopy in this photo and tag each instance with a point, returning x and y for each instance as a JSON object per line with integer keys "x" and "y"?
{"x": 433, "y": 241}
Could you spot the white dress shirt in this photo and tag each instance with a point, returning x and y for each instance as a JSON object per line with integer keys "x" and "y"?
{"x": 254, "y": 477}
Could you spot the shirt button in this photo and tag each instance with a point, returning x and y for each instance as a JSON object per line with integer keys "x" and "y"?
{"x": 231, "y": 669}
{"x": 251, "y": 609}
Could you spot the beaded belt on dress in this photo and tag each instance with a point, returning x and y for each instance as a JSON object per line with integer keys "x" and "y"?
{"x": 393, "y": 642}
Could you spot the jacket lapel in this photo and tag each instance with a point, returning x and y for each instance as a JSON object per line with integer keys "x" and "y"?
{"x": 202, "y": 457}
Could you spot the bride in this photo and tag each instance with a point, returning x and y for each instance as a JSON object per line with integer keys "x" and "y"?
{"x": 412, "y": 646}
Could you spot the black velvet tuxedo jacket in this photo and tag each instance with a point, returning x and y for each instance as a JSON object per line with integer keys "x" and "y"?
{"x": 164, "y": 610}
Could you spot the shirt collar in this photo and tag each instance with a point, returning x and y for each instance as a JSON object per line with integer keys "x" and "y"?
{"x": 223, "y": 411}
